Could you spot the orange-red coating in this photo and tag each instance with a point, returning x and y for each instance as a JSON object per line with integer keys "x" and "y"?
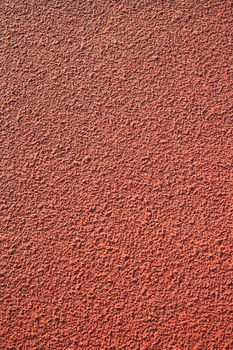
{"x": 116, "y": 174}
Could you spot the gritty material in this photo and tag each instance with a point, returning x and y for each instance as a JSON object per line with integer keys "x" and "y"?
{"x": 116, "y": 162}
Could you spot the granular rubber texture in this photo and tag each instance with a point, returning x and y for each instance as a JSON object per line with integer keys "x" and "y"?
{"x": 116, "y": 174}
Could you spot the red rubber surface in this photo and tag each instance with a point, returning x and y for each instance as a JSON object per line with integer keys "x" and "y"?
{"x": 116, "y": 157}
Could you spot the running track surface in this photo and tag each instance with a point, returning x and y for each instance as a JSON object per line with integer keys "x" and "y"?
{"x": 116, "y": 157}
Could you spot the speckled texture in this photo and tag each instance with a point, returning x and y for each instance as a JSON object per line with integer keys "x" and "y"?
{"x": 116, "y": 164}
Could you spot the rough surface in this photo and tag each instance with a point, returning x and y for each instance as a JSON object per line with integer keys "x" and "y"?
{"x": 116, "y": 157}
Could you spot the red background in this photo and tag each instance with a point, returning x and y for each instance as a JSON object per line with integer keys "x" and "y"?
{"x": 116, "y": 156}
